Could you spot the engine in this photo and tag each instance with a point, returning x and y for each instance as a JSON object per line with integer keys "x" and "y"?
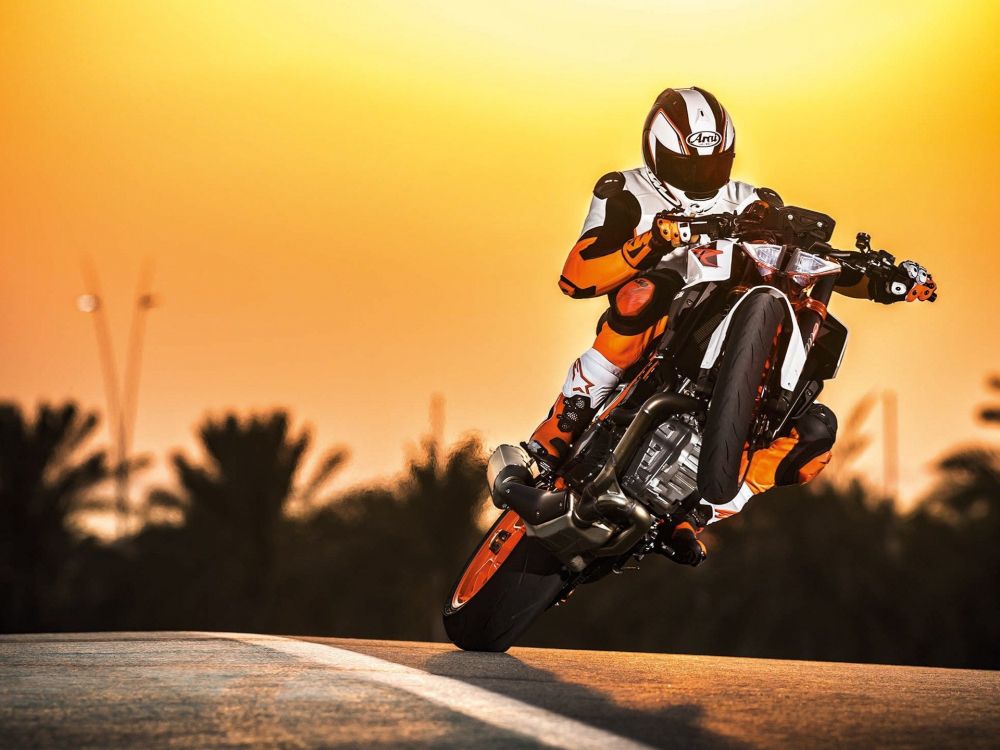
{"x": 666, "y": 473}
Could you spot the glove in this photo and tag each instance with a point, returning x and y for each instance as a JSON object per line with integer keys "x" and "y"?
{"x": 908, "y": 282}
{"x": 672, "y": 230}
{"x": 755, "y": 213}
{"x": 752, "y": 223}
{"x": 684, "y": 547}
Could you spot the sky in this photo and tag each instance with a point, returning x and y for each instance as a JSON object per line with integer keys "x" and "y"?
{"x": 351, "y": 207}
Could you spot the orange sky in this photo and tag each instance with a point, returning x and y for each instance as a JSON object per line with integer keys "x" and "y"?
{"x": 353, "y": 206}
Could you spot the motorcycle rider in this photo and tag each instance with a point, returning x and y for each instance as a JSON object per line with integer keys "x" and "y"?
{"x": 634, "y": 248}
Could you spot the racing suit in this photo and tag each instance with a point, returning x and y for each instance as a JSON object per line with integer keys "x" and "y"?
{"x": 619, "y": 255}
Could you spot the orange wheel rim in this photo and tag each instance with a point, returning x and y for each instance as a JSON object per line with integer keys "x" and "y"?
{"x": 492, "y": 553}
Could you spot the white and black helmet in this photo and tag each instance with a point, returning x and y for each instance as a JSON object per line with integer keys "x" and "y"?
{"x": 688, "y": 141}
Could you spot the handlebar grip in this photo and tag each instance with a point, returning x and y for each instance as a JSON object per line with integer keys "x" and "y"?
{"x": 713, "y": 227}
{"x": 865, "y": 261}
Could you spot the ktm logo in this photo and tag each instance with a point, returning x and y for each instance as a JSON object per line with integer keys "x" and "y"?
{"x": 704, "y": 139}
{"x": 707, "y": 255}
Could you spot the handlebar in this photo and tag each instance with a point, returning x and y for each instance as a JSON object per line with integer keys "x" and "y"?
{"x": 863, "y": 260}
{"x": 714, "y": 227}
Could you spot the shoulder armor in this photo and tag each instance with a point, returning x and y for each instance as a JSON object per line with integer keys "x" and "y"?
{"x": 610, "y": 184}
{"x": 770, "y": 197}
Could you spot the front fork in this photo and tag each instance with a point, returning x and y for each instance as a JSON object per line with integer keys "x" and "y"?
{"x": 810, "y": 314}
{"x": 813, "y": 311}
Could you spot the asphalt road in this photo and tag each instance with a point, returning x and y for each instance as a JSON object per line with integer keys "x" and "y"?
{"x": 153, "y": 690}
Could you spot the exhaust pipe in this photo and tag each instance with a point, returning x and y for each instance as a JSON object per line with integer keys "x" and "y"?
{"x": 630, "y": 514}
{"x": 509, "y": 477}
{"x": 652, "y": 413}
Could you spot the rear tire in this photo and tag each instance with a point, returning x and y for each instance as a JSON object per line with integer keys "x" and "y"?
{"x": 525, "y": 584}
{"x": 749, "y": 343}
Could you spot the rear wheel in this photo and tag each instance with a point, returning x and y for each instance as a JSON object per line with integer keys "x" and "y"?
{"x": 750, "y": 343}
{"x": 506, "y": 584}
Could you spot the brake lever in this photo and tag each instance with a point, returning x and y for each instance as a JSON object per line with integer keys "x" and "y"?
{"x": 714, "y": 227}
{"x": 865, "y": 259}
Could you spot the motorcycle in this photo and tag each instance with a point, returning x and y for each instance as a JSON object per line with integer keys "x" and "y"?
{"x": 748, "y": 344}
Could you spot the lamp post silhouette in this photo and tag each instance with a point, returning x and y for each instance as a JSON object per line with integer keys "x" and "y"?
{"x": 122, "y": 403}
{"x": 890, "y": 444}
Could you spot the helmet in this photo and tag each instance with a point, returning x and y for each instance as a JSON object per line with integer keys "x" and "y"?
{"x": 688, "y": 141}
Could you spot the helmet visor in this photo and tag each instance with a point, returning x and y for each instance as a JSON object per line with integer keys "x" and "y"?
{"x": 693, "y": 173}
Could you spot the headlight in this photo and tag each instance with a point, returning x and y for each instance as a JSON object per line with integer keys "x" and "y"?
{"x": 804, "y": 268}
{"x": 767, "y": 257}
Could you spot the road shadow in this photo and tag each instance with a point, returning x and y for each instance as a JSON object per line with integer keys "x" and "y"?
{"x": 673, "y": 726}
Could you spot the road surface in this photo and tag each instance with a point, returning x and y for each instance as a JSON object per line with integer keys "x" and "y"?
{"x": 158, "y": 690}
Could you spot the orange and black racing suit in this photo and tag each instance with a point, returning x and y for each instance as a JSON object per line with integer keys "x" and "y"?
{"x": 620, "y": 255}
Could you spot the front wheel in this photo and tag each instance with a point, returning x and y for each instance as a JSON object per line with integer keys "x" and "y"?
{"x": 506, "y": 584}
{"x": 750, "y": 344}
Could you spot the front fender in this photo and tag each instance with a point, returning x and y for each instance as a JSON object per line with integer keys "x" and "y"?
{"x": 794, "y": 358}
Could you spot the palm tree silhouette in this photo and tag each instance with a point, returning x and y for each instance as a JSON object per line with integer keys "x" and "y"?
{"x": 412, "y": 539}
{"x": 954, "y": 557}
{"x": 43, "y": 482}
{"x": 970, "y": 484}
{"x": 233, "y": 504}
{"x": 970, "y": 481}
{"x": 443, "y": 497}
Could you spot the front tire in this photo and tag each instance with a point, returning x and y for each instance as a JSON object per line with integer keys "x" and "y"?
{"x": 505, "y": 586}
{"x": 750, "y": 343}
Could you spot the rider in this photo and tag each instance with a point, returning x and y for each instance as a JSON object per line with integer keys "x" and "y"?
{"x": 633, "y": 251}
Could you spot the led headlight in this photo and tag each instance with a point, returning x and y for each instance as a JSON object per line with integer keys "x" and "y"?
{"x": 767, "y": 257}
{"x": 804, "y": 268}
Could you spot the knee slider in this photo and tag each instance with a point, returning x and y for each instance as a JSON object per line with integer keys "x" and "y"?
{"x": 817, "y": 431}
{"x": 818, "y": 426}
{"x": 641, "y": 302}
{"x": 634, "y": 297}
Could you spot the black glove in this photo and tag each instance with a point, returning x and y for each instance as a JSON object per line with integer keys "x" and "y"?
{"x": 755, "y": 214}
{"x": 907, "y": 282}
{"x": 759, "y": 221}
{"x": 683, "y": 547}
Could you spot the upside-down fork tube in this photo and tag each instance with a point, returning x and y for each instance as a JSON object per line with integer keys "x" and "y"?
{"x": 653, "y": 412}
{"x": 811, "y": 318}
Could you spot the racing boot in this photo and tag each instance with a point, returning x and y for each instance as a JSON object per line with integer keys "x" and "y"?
{"x": 795, "y": 458}
{"x": 551, "y": 440}
{"x": 590, "y": 380}
{"x": 683, "y": 546}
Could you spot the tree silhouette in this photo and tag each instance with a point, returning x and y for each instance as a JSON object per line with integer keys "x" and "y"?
{"x": 969, "y": 488}
{"x": 829, "y": 571}
{"x": 962, "y": 513}
{"x": 232, "y": 508}
{"x": 43, "y": 482}
{"x": 953, "y": 553}
{"x": 442, "y": 501}
{"x": 390, "y": 553}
